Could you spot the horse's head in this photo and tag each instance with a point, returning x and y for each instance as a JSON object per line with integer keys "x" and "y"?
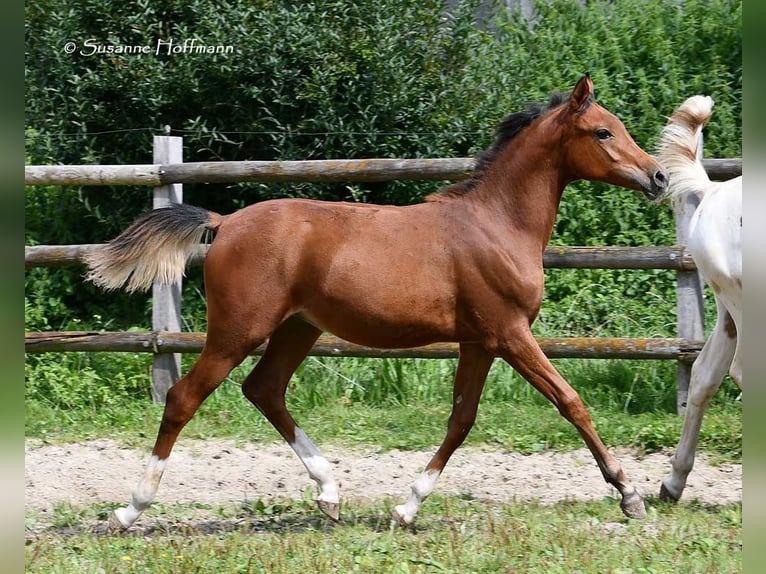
{"x": 597, "y": 146}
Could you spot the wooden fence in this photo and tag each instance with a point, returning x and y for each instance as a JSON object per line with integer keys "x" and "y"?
{"x": 166, "y": 342}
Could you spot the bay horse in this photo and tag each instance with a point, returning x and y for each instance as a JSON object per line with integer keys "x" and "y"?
{"x": 464, "y": 266}
{"x": 715, "y": 244}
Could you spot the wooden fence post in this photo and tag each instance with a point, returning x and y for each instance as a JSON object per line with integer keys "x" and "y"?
{"x": 690, "y": 312}
{"x": 166, "y": 299}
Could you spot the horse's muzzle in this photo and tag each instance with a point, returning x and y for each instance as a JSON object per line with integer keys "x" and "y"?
{"x": 658, "y": 185}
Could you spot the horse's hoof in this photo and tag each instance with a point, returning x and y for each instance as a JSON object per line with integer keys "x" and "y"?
{"x": 633, "y": 506}
{"x": 399, "y": 519}
{"x": 666, "y": 495}
{"x": 331, "y": 509}
{"x": 115, "y": 524}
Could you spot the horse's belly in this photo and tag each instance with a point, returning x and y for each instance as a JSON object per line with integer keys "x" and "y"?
{"x": 377, "y": 295}
{"x": 384, "y": 328}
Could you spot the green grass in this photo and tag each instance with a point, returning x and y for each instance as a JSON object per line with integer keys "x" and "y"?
{"x": 454, "y": 536}
{"x": 400, "y": 404}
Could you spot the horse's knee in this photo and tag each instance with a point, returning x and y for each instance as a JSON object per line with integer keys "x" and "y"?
{"x": 701, "y": 393}
{"x": 704, "y": 383}
{"x": 736, "y": 375}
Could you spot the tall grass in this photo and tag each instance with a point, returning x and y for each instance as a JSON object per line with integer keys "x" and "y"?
{"x": 394, "y": 403}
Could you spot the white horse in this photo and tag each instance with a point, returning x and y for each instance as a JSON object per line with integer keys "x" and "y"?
{"x": 715, "y": 244}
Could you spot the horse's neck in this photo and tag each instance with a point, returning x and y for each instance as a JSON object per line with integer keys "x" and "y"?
{"x": 524, "y": 189}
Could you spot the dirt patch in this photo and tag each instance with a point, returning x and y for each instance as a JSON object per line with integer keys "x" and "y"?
{"x": 221, "y": 472}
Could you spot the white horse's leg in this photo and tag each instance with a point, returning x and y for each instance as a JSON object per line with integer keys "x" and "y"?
{"x": 707, "y": 374}
{"x": 735, "y": 371}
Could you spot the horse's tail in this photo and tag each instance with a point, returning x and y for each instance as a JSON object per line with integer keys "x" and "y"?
{"x": 677, "y": 148}
{"x": 155, "y": 247}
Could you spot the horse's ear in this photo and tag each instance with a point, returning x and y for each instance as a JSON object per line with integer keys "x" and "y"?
{"x": 582, "y": 94}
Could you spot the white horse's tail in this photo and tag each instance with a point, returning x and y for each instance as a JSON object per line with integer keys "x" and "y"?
{"x": 677, "y": 149}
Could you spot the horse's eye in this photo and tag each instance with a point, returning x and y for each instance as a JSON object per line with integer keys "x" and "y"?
{"x": 603, "y": 134}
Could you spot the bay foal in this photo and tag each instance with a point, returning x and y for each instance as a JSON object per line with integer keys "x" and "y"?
{"x": 465, "y": 266}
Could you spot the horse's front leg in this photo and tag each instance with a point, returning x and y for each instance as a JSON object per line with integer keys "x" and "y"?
{"x": 707, "y": 374}
{"x": 472, "y": 369}
{"x": 520, "y": 349}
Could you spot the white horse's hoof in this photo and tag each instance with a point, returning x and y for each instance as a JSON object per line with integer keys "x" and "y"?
{"x": 331, "y": 509}
{"x": 666, "y": 495}
{"x": 115, "y": 524}
{"x": 399, "y": 518}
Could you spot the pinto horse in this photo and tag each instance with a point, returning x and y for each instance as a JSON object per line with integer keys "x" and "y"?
{"x": 464, "y": 266}
{"x": 715, "y": 244}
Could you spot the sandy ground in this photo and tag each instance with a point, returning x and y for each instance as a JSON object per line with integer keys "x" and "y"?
{"x": 220, "y": 472}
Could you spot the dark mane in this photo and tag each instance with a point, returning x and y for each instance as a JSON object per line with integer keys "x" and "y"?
{"x": 508, "y": 129}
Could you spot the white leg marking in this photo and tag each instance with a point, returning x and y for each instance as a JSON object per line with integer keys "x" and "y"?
{"x": 317, "y": 465}
{"x": 421, "y": 488}
{"x": 144, "y": 492}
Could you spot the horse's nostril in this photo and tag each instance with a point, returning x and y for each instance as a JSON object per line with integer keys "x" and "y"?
{"x": 660, "y": 179}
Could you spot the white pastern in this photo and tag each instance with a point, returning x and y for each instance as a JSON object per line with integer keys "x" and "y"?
{"x": 422, "y": 487}
{"x": 144, "y": 492}
{"x": 317, "y": 465}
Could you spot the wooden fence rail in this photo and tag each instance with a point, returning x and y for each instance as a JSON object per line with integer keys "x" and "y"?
{"x": 334, "y": 170}
{"x": 169, "y": 171}
{"x": 330, "y": 346}
{"x": 555, "y": 257}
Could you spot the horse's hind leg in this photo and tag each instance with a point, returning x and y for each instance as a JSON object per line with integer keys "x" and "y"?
{"x": 471, "y": 373}
{"x": 265, "y": 387}
{"x": 183, "y": 400}
{"x": 706, "y": 376}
